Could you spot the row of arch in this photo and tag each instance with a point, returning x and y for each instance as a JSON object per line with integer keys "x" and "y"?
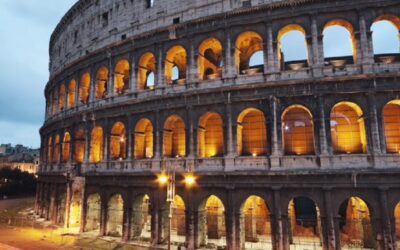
{"x": 248, "y": 57}
{"x": 348, "y": 134}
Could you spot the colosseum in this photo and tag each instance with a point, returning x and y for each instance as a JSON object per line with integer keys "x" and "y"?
{"x": 187, "y": 122}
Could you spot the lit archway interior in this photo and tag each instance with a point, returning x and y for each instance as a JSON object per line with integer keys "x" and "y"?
{"x": 146, "y": 71}
{"x": 305, "y": 222}
{"x": 115, "y": 216}
{"x": 339, "y": 40}
{"x": 175, "y": 65}
{"x": 355, "y": 224}
{"x": 71, "y": 94}
{"x": 247, "y": 44}
{"x": 79, "y": 145}
{"x": 251, "y": 133}
{"x": 96, "y": 145}
{"x": 141, "y": 218}
{"x": 174, "y": 137}
{"x": 93, "y": 212}
{"x": 298, "y": 131}
{"x": 211, "y": 222}
{"x": 61, "y": 205}
{"x": 348, "y": 129}
{"x": 75, "y": 210}
{"x": 292, "y": 47}
{"x": 121, "y": 77}
{"x": 397, "y": 221}
{"x": 144, "y": 139}
{"x": 210, "y": 59}
{"x": 101, "y": 83}
{"x": 391, "y": 122}
{"x": 84, "y": 88}
{"x": 178, "y": 220}
{"x": 210, "y": 135}
{"x": 66, "y": 147}
{"x": 56, "y": 152}
{"x": 255, "y": 224}
{"x": 61, "y": 99}
{"x": 385, "y": 36}
{"x": 118, "y": 141}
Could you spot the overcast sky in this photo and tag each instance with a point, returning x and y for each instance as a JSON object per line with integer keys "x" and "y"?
{"x": 26, "y": 26}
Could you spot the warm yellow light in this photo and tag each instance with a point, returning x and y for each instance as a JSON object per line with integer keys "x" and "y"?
{"x": 254, "y": 155}
{"x": 163, "y": 179}
{"x": 190, "y": 179}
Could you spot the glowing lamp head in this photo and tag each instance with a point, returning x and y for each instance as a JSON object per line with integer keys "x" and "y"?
{"x": 190, "y": 180}
{"x": 163, "y": 179}
{"x": 254, "y": 154}
{"x": 122, "y": 139}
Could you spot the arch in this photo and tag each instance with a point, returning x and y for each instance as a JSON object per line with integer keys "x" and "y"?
{"x": 102, "y": 83}
{"x": 348, "y": 129}
{"x": 210, "y": 135}
{"x": 79, "y": 146}
{"x": 174, "y": 143}
{"x": 61, "y": 207}
{"x": 397, "y": 223}
{"x": 55, "y": 102}
{"x": 385, "y": 38}
{"x": 118, "y": 141}
{"x": 298, "y": 131}
{"x": 255, "y": 224}
{"x": 141, "y": 218}
{"x": 210, "y": 59}
{"x": 49, "y": 150}
{"x": 93, "y": 213}
{"x": 391, "y": 124}
{"x": 121, "y": 77}
{"x": 147, "y": 66}
{"x": 84, "y": 88}
{"x": 144, "y": 140}
{"x": 71, "y": 94}
{"x": 96, "y": 145}
{"x": 339, "y": 40}
{"x": 56, "y": 151}
{"x": 115, "y": 216}
{"x": 61, "y": 99}
{"x": 292, "y": 47}
{"x": 178, "y": 223}
{"x": 355, "y": 224}
{"x": 247, "y": 44}
{"x": 251, "y": 133}
{"x": 66, "y": 147}
{"x": 75, "y": 210}
{"x": 176, "y": 59}
{"x": 211, "y": 222}
{"x": 305, "y": 223}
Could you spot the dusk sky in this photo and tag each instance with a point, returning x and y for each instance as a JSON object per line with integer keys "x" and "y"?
{"x": 25, "y": 33}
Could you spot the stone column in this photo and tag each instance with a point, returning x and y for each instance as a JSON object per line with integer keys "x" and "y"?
{"x": 154, "y": 222}
{"x": 374, "y": 143}
{"x": 317, "y": 49}
{"x": 323, "y": 143}
{"x": 365, "y": 49}
{"x": 191, "y": 72}
{"x": 77, "y": 94}
{"x": 276, "y": 150}
{"x": 278, "y": 236}
{"x": 126, "y": 221}
{"x": 37, "y": 197}
{"x": 133, "y": 78}
{"x": 190, "y": 214}
{"x": 229, "y": 64}
{"x": 388, "y": 240}
{"x": 83, "y": 212}
{"x": 271, "y": 55}
{"x": 87, "y": 142}
{"x": 68, "y": 203}
{"x": 110, "y": 83}
{"x": 160, "y": 76}
{"x": 92, "y": 88}
{"x": 158, "y": 137}
{"x": 129, "y": 142}
{"x": 103, "y": 215}
{"x": 229, "y": 132}
{"x": 230, "y": 222}
{"x": 329, "y": 228}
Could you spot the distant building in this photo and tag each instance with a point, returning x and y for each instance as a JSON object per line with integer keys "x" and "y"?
{"x": 19, "y": 157}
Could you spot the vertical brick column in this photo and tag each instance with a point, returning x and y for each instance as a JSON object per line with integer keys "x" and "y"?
{"x": 388, "y": 240}
{"x": 329, "y": 229}
{"x": 229, "y": 64}
{"x": 271, "y": 54}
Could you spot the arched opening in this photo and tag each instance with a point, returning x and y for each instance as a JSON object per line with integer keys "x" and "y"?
{"x": 61, "y": 205}
{"x": 348, "y": 129}
{"x": 247, "y": 44}
{"x": 146, "y": 71}
{"x": 305, "y": 223}
{"x": 397, "y": 224}
{"x": 71, "y": 94}
{"x": 391, "y": 123}
{"x": 292, "y": 47}
{"x": 96, "y": 145}
{"x": 174, "y": 137}
{"x": 101, "y": 83}
{"x": 385, "y": 38}
{"x": 56, "y": 156}
{"x": 79, "y": 146}
{"x": 84, "y": 89}
{"x": 121, "y": 77}
{"x": 255, "y": 224}
{"x": 211, "y": 223}
{"x": 251, "y": 133}
{"x": 141, "y": 218}
{"x": 210, "y": 136}
{"x": 66, "y": 148}
{"x": 210, "y": 59}
{"x": 355, "y": 226}
{"x": 93, "y": 213}
{"x": 144, "y": 140}
{"x": 115, "y": 216}
{"x": 50, "y": 150}
{"x": 75, "y": 210}
{"x": 178, "y": 221}
{"x": 175, "y": 65}
{"x": 298, "y": 131}
{"x": 61, "y": 99}
{"x": 339, "y": 43}
{"x": 55, "y": 102}
{"x": 118, "y": 141}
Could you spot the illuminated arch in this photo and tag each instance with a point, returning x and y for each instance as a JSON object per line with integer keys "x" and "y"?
{"x": 338, "y": 28}
{"x": 141, "y": 217}
{"x": 96, "y": 147}
{"x": 397, "y": 222}
{"x": 176, "y": 59}
{"x": 174, "y": 143}
{"x": 84, "y": 88}
{"x": 391, "y": 123}
{"x": 178, "y": 217}
{"x": 118, "y": 141}
{"x": 61, "y": 99}
{"x": 247, "y": 44}
{"x": 79, "y": 145}
{"x": 115, "y": 216}
{"x": 56, "y": 152}
{"x": 210, "y": 135}
{"x": 211, "y": 221}
{"x": 292, "y": 46}
{"x": 71, "y": 94}
{"x": 144, "y": 139}
{"x": 101, "y": 83}
{"x": 251, "y": 133}
{"x": 348, "y": 129}
{"x": 210, "y": 59}
{"x": 147, "y": 68}
{"x": 121, "y": 77}
{"x": 93, "y": 213}
{"x": 66, "y": 147}
{"x": 75, "y": 210}
{"x": 298, "y": 131}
